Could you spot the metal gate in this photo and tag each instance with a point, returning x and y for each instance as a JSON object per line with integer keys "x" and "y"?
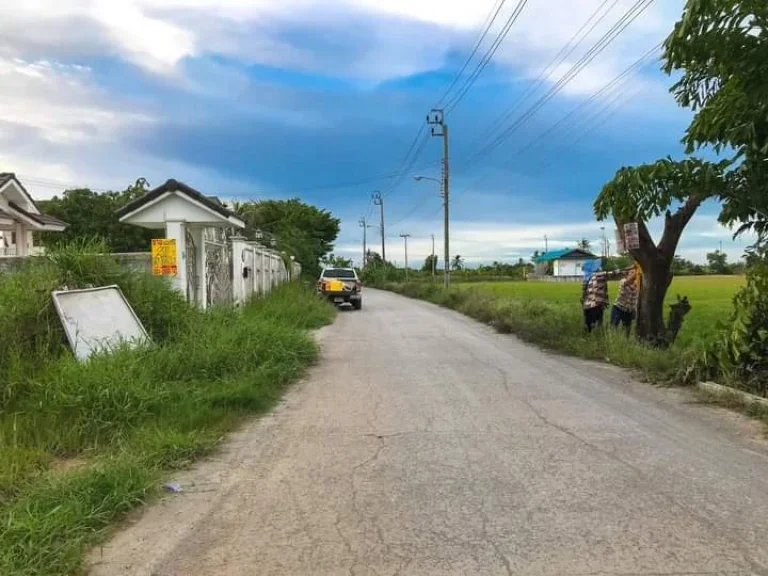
{"x": 192, "y": 278}
{"x": 218, "y": 268}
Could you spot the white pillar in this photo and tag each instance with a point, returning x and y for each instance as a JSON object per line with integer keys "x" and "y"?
{"x": 21, "y": 239}
{"x": 176, "y": 231}
{"x": 198, "y": 237}
{"x": 239, "y": 284}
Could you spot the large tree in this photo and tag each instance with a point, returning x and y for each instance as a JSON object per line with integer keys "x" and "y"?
{"x": 302, "y": 230}
{"x": 721, "y": 48}
{"x": 430, "y": 263}
{"x": 93, "y": 215}
{"x": 584, "y": 244}
{"x": 674, "y": 189}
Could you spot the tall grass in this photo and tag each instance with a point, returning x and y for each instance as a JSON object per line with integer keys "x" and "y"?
{"x": 560, "y": 327}
{"x": 81, "y": 443}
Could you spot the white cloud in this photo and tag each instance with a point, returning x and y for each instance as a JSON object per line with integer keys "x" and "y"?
{"x": 158, "y": 34}
{"x": 57, "y": 101}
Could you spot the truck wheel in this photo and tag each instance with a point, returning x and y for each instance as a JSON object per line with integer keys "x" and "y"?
{"x": 357, "y": 304}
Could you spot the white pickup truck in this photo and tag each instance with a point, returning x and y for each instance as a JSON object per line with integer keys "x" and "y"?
{"x": 341, "y": 285}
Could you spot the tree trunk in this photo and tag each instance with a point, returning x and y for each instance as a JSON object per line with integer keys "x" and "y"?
{"x": 650, "y": 310}
{"x": 656, "y": 264}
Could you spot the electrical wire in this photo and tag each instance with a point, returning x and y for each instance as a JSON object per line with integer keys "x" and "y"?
{"x": 546, "y": 73}
{"x": 490, "y": 19}
{"x": 622, "y": 77}
{"x": 618, "y": 81}
{"x": 500, "y": 37}
{"x": 630, "y": 16}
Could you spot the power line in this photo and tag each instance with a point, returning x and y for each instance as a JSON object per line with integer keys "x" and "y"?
{"x": 490, "y": 19}
{"x": 618, "y": 81}
{"x": 630, "y": 16}
{"x": 622, "y": 77}
{"x": 406, "y": 167}
{"x": 500, "y": 37}
{"x": 549, "y": 69}
{"x": 419, "y": 142}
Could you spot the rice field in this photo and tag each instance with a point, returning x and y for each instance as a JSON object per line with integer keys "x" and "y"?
{"x": 710, "y": 297}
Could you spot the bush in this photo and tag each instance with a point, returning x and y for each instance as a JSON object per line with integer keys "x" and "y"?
{"x": 123, "y": 418}
{"x": 739, "y": 355}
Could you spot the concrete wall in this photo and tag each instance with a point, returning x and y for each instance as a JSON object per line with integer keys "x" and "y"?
{"x": 257, "y": 270}
{"x": 568, "y": 267}
{"x": 134, "y": 261}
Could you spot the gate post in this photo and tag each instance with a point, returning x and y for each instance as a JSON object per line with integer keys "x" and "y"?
{"x": 198, "y": 237}
{"x": 176, "y": 231}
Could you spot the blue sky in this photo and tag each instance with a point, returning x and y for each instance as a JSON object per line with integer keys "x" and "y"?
{"x": 321, "y": 99}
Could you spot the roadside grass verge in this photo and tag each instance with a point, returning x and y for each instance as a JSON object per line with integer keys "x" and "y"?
{"x": 83, "y": 443}
{"x": 557, "y": 326}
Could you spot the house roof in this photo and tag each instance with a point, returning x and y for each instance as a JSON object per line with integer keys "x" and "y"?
{"x": 36, "y": 217}
{"x": 6, "y": 177}
{"x": 564, "y": 254}
{"x": 210, "y": 202}
{"x": 42, "y": 219}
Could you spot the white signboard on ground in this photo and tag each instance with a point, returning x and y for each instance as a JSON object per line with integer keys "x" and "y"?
{"x": 97, "y": 319}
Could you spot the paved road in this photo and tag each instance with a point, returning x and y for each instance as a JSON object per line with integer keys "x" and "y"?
{"x": 424, "y": 444}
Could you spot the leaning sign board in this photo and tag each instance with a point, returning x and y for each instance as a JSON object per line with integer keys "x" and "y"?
{"x": 164, "y": 262}
{"x": 97, "y": 319}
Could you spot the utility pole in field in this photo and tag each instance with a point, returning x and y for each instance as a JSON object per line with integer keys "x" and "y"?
{"x": 378, "y": 200}
{"x": 604, "y": 241}
{"x": 433, "y": 257}
{"x": 405, "y": 237}
{"x": 436, "y": 119}
{"x": 364, "y": 225}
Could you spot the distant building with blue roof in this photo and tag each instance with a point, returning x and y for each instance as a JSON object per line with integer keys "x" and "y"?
{"x": 568, "y": 262}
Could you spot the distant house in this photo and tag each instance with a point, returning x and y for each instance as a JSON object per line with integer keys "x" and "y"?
{"x": 20, "y": 218}
{"x": 568, "y": 262}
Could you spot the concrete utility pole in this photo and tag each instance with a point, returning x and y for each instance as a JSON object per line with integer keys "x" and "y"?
{"x": 605, "y": 242}
{"x": 436, "y": 119}
{"x": 405, "y": 237}
{"x": 378, "y": 200}
{"x": 433, "y": 256}
{"x": 546, "y": 244}
{"x": 364, "y": 225}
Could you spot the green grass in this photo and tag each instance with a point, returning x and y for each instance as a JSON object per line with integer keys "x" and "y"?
{"x": 550, "y": 315}
{"x": 82, "y": 443}
{"x": 710, "y": 296}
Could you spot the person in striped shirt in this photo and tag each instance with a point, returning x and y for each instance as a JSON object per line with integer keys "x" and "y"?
{"x": 625, "y": 307}
{"x": 594, "y": 297}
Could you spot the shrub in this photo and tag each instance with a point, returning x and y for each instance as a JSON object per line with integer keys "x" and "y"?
{"x": 739, "y": 355}
{"x": 125, "y": 416}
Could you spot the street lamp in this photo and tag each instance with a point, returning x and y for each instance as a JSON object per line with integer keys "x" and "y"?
{"x": 419, "y": 178}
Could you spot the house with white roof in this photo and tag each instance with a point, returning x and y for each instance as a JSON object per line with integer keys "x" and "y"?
{"x": 20, "y": 218}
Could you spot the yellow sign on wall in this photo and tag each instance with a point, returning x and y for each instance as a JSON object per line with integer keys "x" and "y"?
{"x": 164, "y": 261}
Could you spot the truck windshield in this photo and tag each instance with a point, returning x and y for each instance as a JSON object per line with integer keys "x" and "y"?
{"x": 339, "y": 273}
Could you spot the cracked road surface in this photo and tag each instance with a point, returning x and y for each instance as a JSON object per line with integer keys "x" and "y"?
{"x": 423, "y": 443}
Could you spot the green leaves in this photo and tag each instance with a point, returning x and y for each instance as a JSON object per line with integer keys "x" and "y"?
{"x": 721, "y": 46}
{"x": 303, "y": 231}
{"x": 92, "y": 215}
{"x": 643, "y": 192}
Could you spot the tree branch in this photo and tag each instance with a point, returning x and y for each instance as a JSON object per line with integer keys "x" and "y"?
{"x": 675, "y": 224}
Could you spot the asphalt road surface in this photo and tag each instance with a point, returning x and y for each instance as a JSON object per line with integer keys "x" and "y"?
{"x": 423, "y": 443}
